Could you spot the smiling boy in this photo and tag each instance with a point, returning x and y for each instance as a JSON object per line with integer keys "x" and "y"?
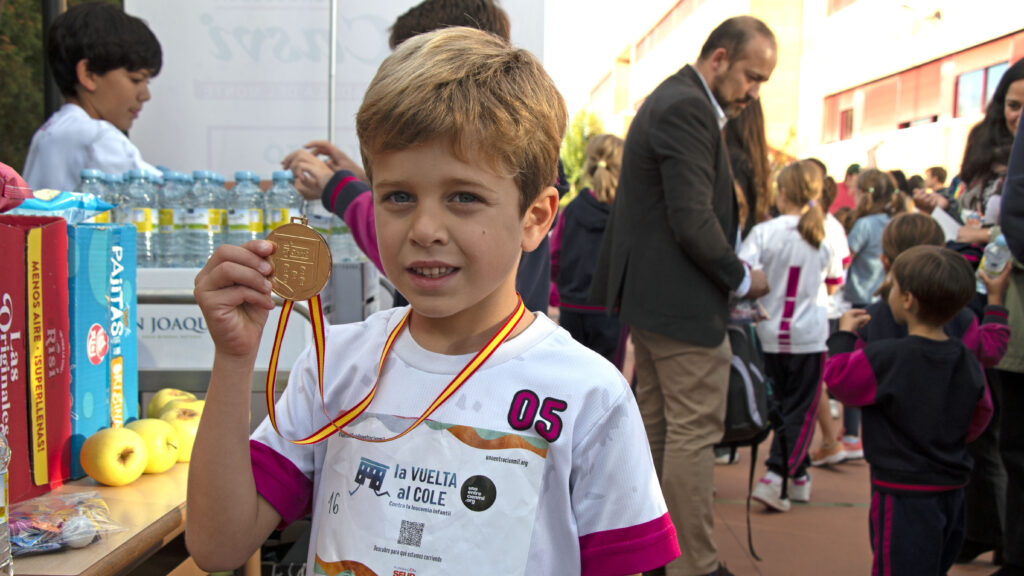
{"x": 535, "y": 464}
{"x": 102, "y": 60}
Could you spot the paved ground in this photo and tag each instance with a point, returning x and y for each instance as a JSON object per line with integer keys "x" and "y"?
{"x": 828, "y": 536}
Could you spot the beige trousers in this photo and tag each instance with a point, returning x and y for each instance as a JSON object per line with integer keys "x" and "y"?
{"x": 681, "y": 391}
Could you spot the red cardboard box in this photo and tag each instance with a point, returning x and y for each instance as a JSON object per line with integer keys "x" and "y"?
{"x": 35, "y": 397}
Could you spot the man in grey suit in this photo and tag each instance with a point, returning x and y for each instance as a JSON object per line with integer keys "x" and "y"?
{"x": 668, "y": 265}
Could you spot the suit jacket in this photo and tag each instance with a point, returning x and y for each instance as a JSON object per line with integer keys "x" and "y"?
{"x": 668, "y": 259}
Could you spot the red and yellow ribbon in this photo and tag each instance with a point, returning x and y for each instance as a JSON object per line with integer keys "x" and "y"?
{"x": 338, "y": 424}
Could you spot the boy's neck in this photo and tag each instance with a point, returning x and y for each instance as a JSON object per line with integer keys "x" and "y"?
{"x": 464, "y": 333}
{"x": 84, "y": 105}
{"x": 929, "y": 331}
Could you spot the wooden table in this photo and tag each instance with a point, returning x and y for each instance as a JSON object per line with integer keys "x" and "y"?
{"x": 152, "y": 509}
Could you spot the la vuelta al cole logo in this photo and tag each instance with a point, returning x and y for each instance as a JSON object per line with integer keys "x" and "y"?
{"x": 371, "y": 471}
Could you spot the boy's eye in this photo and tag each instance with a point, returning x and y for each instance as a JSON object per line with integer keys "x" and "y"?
{"x": 465, "y": 198}
{"x": 398, "y": 197}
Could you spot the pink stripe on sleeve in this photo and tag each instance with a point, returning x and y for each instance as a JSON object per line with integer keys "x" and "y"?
{"x": 629, "y": 550}
{"x": 981, "y": 417}
{"x": 341, "y": 186}
{"x": 359, "y": 217}
{"x": 851, "y": 379}
{"x": 280, "y": 483}
{"x": 833, "y": 281}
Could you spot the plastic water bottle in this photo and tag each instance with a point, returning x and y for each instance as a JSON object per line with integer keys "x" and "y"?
{"x": 6, "y": 568}
{"x": 171, "y": 238}
{"x": 202, "y": 219}
{"x": 92, "y": 183}
{"x": 222, "y": 208}
{"x": 141, "y": 210}
{"x": 113, "y": 184}
{"x": 997, "y": 256}
{"x": 245, "y": 209}
{"x": 283, "y": 200}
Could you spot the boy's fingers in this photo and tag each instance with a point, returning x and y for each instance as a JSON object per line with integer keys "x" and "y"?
{"x": 231, "y": 274}
{"x": 243, "y": 294}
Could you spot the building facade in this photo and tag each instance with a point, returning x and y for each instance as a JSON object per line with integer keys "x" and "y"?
{"x": 907, "y": 78}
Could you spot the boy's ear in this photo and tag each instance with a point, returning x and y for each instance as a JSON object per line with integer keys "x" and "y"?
{"x": 885, "y": 262}
{"x": 909, "y": 302}
{"x": 539, "y": 217}
{"x": 86, "y": 78}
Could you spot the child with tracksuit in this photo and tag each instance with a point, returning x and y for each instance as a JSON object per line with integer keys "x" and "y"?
{"x": 923, "y": 398}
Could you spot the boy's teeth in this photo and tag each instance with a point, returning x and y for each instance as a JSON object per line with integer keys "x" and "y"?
{"x": 433, "y": 272}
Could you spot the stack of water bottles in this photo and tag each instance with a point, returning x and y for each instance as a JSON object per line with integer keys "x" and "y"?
{"x": 181, "y": 219}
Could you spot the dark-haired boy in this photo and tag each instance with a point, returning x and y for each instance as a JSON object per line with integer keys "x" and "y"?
{"x": 923, "y": 397}
{"x": 102, "y": 60}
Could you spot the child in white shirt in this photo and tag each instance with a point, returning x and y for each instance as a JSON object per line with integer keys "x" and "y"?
{"x": 527, "y": 468}
{"x": 803, "y": 268}
{"x": 102, "y": 60}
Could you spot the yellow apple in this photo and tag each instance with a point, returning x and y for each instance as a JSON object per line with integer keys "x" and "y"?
{"x": 162, "y": 397}
{"x": 114, "y": 456}
{"x": 161, "y": 443}
{"x": 194, "y": 404}
{"x": 186, "y": 422}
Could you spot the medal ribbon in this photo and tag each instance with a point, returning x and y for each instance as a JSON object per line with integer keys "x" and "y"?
{"x": 337, "y": 424}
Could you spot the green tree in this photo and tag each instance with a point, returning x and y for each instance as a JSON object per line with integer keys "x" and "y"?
{"x": 574, "y": 147}
{"x": 21, "y": 76}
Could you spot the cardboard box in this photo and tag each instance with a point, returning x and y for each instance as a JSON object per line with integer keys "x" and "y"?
{"x": 34, "y": 349}
{"x": 104, "y": 346}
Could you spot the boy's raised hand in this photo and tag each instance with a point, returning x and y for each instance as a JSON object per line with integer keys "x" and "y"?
{"x": 853, "y": 320}
{"x": 996, "y": 287}
{"x": 233, "y": 291}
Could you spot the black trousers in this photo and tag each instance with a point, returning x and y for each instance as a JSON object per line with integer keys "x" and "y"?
{"x": 985, "y": 495}
{"x": 916, "y": 534}
{"x": 601, "y": 333}
{"x": 796, "y": 380}
{"x": 1011, "y": 447}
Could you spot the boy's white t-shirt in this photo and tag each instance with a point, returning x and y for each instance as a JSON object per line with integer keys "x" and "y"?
{"x": 835, "y": 235}
{"x": 546, "y": 435}
{"x": 797, "y": 273}
{"x": 71, "y": 141}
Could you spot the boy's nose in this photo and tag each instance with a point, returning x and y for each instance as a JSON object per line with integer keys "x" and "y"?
{"x": 144, "y": 94}
{"x": 427, "y": 227}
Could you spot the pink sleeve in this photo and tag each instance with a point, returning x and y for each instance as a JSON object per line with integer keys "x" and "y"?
{"x": 359, "y": 218}
{"x": 981, "y": 417}
{"x": 629, "y": 550}
{"x": 988, "y": 341}
{"x": 850, "y": 378}
{"x": 280, "y": 482}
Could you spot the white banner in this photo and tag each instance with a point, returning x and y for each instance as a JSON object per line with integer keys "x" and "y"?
{"x": 244, "y": 82}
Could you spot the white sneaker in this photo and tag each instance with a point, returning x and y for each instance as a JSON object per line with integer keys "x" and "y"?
{"x": 768, "y": 491}
{"x": 800, "y": 489}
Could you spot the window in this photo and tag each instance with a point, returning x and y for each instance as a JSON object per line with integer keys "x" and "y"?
{"x": 974, "y": 89}
{"x": 846, "y": 124}
{"x": 993, "y": 74}
{"x": 970, "y": 88}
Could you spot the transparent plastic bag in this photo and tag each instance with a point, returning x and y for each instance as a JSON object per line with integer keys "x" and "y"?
{"x": 58, "y": 521}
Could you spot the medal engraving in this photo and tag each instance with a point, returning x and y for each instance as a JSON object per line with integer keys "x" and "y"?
{"x": 302, "y": 261}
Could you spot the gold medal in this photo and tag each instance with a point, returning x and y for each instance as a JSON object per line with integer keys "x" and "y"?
{"x": 302, "y": 261}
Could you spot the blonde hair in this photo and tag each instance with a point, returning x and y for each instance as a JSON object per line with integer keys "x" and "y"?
{"x": 800, "y": 184}
{"x": 474, "y": 90}
{"x": 602, "y": 164}
{"x": 878, "y": 195}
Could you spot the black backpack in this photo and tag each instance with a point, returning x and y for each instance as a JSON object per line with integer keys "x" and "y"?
{"x": 752, "y": 411}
